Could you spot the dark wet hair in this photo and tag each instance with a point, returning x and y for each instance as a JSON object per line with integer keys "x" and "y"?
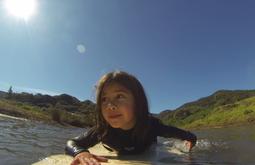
{"x": 141, "y": 110}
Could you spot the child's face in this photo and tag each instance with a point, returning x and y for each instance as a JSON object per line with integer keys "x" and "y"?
{"x": 117, "y": 105}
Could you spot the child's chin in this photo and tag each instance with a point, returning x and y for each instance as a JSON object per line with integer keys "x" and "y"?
{"x": 115, "y": 125}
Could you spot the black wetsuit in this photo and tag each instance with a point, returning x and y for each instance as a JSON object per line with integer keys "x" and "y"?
{"x": 121, "y": 140}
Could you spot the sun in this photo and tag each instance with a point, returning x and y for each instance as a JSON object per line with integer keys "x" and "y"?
{"x": 23, "y": 9}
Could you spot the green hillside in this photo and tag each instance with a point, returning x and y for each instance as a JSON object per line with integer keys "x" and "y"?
{"x": 63, "y": 109}
{"x": 242, "y": 112}
{"x": 222, "y": 108}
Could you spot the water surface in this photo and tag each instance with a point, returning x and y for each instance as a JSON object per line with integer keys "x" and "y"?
{"x": 25, "y": 142}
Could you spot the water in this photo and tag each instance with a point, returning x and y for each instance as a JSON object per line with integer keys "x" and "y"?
{"x": 235, "y": 145}
{"x": 25, "y": 142}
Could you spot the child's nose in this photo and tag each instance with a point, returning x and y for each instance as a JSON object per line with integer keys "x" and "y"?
{"x": 111, "y": 106}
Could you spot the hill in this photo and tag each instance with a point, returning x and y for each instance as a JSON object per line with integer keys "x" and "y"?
{"x": 64, "y": 109}
{"x": 2, "y": 94}
{"x": 224, "y": 107}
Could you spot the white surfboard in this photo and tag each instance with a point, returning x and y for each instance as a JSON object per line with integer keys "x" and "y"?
{"x": 156, "y": 155}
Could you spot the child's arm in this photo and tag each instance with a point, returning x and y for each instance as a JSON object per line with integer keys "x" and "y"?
{"x": 81, "y": 143}
{"x": 78, "y": 148}
{"x": 173, "y": 132}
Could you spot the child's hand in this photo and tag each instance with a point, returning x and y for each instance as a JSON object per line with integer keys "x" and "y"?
{"x": 188, "y": 144}
{"x": 86, "y": 158}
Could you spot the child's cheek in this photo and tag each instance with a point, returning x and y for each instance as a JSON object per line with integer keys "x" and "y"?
{"x": 127, "y": 106}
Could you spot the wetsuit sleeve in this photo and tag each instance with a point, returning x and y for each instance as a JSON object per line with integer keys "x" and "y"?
{"x": 173, "y": 132}
{"x": 81, "y": 143}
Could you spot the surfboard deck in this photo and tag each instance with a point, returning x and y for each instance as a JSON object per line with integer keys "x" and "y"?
{"x": 156, "y": 155}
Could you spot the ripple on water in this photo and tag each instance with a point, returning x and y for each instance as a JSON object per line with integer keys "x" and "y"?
{"x": 24, "y": 142}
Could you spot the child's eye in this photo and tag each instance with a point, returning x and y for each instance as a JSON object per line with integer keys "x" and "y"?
{"x": 120, "y": 96}
{"x": 103, "y": 99}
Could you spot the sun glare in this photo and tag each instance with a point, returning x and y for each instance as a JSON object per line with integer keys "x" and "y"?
{"x": 21, "y": 8}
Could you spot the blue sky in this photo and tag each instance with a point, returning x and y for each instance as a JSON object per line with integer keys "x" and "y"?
{"x": 180, "y": 50}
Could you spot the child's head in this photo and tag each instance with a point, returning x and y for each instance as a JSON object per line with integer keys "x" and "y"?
{"x": 121, "y": 102}
{"x": 117, "y": 106}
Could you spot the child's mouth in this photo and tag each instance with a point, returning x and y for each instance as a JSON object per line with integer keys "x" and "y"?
{"x": 114, "y": 116}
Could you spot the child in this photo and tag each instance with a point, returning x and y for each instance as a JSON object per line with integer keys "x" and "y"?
{"x": 124, "y": 123}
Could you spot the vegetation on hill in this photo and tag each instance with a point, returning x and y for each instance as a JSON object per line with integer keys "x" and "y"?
{"x": 224, "y": 107}
{"x": 64, "y": 109}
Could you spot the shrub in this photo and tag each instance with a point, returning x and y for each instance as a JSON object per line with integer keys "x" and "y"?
{"x": 55, "y": 115}
{"x": 247, "y": 111}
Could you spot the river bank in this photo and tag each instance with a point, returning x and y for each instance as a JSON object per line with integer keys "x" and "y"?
{"x": 242, "y": 113}
{"x": 221, "y": 109}
{"x": 52, "y": 122}
{"x": 45, "y": 114}
{"x": 12, "y": 117}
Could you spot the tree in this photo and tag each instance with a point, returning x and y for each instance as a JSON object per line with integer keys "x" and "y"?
{"x": 10, "y": 93}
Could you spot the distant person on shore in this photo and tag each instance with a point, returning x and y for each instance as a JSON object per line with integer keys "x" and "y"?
{"x": 124, "y": 123}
